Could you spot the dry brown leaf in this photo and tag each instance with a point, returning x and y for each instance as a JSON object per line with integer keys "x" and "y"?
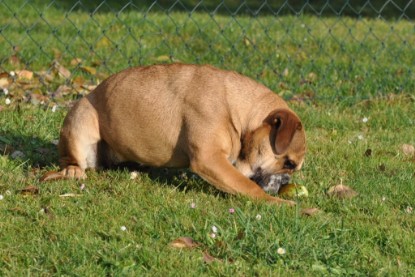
{"x": 341, "y": 191}
{"x": 30, "y": 190}
{"x": 78, "y": 81}
{"x": 62, "y": 71}
{"x": 89, "y": 87}
{"x": 408, "y": 149}
{"x": 25, "y": 74}
{"x": 207, "y": 258}
{"x": 5, "y": 80}
{"x": 184, "y": 242}
{"x": 310, "y": 211}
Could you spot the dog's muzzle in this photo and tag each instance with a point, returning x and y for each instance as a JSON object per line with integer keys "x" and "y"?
{"x": 270, "y": 183}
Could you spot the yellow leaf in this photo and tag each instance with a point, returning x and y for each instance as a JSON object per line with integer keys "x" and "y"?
{"x": 89, "y": 69}
{"x": 76, "y": 61}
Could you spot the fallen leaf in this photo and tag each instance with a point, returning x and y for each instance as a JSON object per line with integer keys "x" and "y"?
{"x": 184, "y": 242}
{"x": 69, "y": 195}
{"x": 310, "y": 211}
{"x": 247, "y": 42}
{"x": 30, "y": 190}
{"x": 25, "y": 74}
{"x": 62, "y": 71}
{"x": 61, "y": 91}
{"x": 408, "y": 149}
{"x": 341, "y": 191}
{"x": 89, "y": 69}
{"x": 207, "y": 258}
{"x": 5, "y": 80}
{"x": 89, "y": 87}
{"x": 76, "y": 61}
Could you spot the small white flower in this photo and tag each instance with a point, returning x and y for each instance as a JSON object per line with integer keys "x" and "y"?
{"x": 281, "y": 251}
{"x": 383, "y": 198}
{"x": 54, "y": 108}
{"x": 212, "y": 235}
{"x": 133, "y": 175}
{"x": 360, "y": 137}
{"x": 5, "y": 91}
{"x": 409, "y": 210}
{"x": 55, "y": 142}
{"x": 1, "y": 197}
{"x": 193, "y": 205}
{"x": 82, "y": 187}
{"x": 258, "y": 217}
{"x": 365, "y": 119}
{"x": 7, "y": 101}
{"x": 214, "y": 229}
{"x": 12, "y": 73}
{"x": 123, "y": 228}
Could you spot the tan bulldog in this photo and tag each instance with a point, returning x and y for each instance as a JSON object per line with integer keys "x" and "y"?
{"x": 232, "y": 131}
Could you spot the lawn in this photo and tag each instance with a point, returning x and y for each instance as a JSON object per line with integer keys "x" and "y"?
{"x": 358, "y": 114}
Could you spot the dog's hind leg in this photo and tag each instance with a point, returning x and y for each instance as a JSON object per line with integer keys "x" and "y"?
{"x": 78, "y": 143}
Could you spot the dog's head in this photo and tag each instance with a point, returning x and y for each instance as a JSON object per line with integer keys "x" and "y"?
{"x": 273, "y": 151}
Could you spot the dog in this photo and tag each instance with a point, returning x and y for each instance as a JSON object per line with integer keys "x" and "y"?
{"x": 230, "y": 130}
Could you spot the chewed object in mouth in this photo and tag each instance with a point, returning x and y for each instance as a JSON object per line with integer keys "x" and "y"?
{"x": 272, "y": 183}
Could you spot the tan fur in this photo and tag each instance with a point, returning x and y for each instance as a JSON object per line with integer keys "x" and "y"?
{"x": 222, "y": 125}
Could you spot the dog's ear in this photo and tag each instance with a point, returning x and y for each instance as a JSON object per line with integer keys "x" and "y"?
{"x": 284, "y": 123}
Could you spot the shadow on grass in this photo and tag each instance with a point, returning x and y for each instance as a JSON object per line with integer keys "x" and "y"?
{"x": 36, "y": 152}
{"x": 181, "y": 179}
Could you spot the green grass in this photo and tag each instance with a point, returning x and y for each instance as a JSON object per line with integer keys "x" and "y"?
{"x": 371, "y": 234}
{"x": 327, "y": 62}
{"x": 326, "y": 58}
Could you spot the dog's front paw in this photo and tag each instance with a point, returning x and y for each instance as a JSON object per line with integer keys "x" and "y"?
{"x": 73, "y": 171}
{"x": 70, "y": 172}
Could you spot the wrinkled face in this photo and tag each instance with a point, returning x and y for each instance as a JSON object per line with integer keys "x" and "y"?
{"x": 271, "y": 153}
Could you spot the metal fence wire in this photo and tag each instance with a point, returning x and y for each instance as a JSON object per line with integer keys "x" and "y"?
{"x": 301, "y": 49}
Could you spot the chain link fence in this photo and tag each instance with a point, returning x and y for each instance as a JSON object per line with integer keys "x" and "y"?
{"x": 303, "y": 50}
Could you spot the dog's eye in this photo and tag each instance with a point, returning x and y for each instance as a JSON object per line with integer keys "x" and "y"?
{"x": 288, "y": 164}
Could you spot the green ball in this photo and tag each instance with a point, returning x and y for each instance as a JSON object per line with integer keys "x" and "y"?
{"x": 293, "y": 190}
